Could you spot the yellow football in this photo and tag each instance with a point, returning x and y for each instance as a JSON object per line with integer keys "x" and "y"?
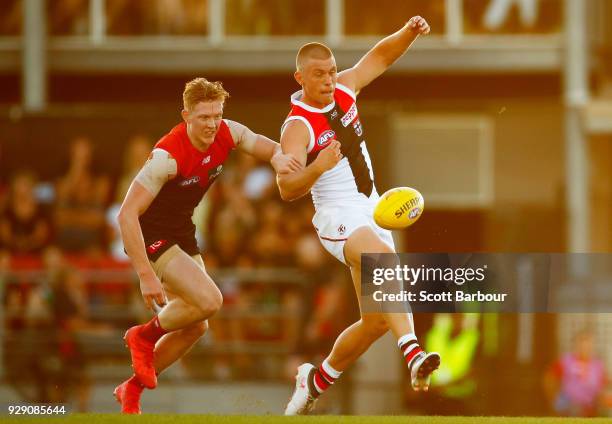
{"x": 399, "y": 208}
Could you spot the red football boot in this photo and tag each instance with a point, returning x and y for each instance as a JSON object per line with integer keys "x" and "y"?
{"x": 128, "y": 395}
{"x": 142, "y": 357}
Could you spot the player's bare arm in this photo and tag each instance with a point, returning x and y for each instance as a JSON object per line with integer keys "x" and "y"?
{"x": 383, "y": 55}
{"x": 294, "y": 141}
{"x": 263, "y": 148}
{"x": 159, "y": 168}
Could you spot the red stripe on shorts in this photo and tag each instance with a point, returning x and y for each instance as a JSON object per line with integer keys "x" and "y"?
{"x": 331, "y": 239}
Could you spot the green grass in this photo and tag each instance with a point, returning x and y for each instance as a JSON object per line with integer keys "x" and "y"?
{"x": 268, "y": 419}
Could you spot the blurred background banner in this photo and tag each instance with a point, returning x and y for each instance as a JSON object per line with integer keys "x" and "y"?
{"x": 501, "y": 118}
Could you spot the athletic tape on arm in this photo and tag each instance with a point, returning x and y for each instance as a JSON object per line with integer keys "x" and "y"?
{"x": 158, "y": 169}
{"x": 242, "y": 135}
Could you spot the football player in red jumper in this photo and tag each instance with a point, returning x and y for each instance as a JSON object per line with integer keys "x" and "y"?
{"x": 159, "y": 236}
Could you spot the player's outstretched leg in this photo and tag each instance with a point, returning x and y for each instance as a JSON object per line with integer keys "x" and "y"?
{"x": 141, "y": 340}
{"x": 175, "y": 345}
{"x": 420, "y": 363}
{"x": 195, "y": 298}
{"x": 170, "y": 348}
{"x": 310, "y": 382}
{"x": 302, "y": 401}
{"x": 356, "y": 339}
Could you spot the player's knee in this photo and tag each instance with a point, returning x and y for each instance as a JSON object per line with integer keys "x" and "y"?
{"x": 209, "y": 303}
{"x": 375, "y": 327}
{"x": 198, "y": 329}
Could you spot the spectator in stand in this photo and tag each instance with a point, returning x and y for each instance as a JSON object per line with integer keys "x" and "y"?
{"x": 257, "y": 181}
{"x": 11, "y": 295}
{"x": 250, "y": 17}
{"x": 81, "y": 195}
{"x": 575, "y": 384}
{"x": 366, "y": 17}
{"x": 267, "y": 243}
{"x": 229, "y": 241}
{"x": 128, "y": 17}
{"x": 4, "y": 195}
{"x": 57, "y": 313}
{"x": 69, "y": 314}
{"x": 24, "y": 225}
{"x": 294, "y": 229}
{"x": 12, "y": 313}
{"x": 20, "y": 361}
{"x": 232, "y": 218}
{"x": 68, "y": 17}
{"x": 274, "y": 18}
{"x": 157, "y": 17}
{"x": 135, "y": 155}
{"x": 181, "y": 16}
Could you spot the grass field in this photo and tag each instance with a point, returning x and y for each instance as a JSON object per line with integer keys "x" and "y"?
{"x": 237, "y": 419}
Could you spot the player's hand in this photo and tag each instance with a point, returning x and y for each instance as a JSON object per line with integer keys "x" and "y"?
{"x": 285, "y": 163}
{"x": 329, "y": 156}
{"x": 152, "y": 291}
{"x": 419, "y": 25}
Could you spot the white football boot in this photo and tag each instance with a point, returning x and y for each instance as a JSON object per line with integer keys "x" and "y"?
{"x": 422, "y": 368}
{"x": 301, "y": 402}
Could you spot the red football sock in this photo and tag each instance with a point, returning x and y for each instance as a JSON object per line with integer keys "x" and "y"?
{"x": 322, "y": 378}
{"x": 410, "y": 350}
{"x": 152, "y": 330}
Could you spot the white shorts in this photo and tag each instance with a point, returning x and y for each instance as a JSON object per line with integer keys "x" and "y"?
{"x": 334, "y": 226}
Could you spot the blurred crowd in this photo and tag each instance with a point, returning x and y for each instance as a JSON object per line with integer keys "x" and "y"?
{"x": 59, "y": 239}
{"x": 170, "y": 17}
{"x": 280, "y": 17}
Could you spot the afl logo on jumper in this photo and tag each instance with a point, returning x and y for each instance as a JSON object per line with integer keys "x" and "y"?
{"x": 193, "y": 180}
{"x": 325, "y": 138}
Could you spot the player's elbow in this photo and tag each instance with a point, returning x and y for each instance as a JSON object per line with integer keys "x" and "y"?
{"x": 125, "y": 215}
{"x": 121, "y": 218}
{"x": 287, "y": 195}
